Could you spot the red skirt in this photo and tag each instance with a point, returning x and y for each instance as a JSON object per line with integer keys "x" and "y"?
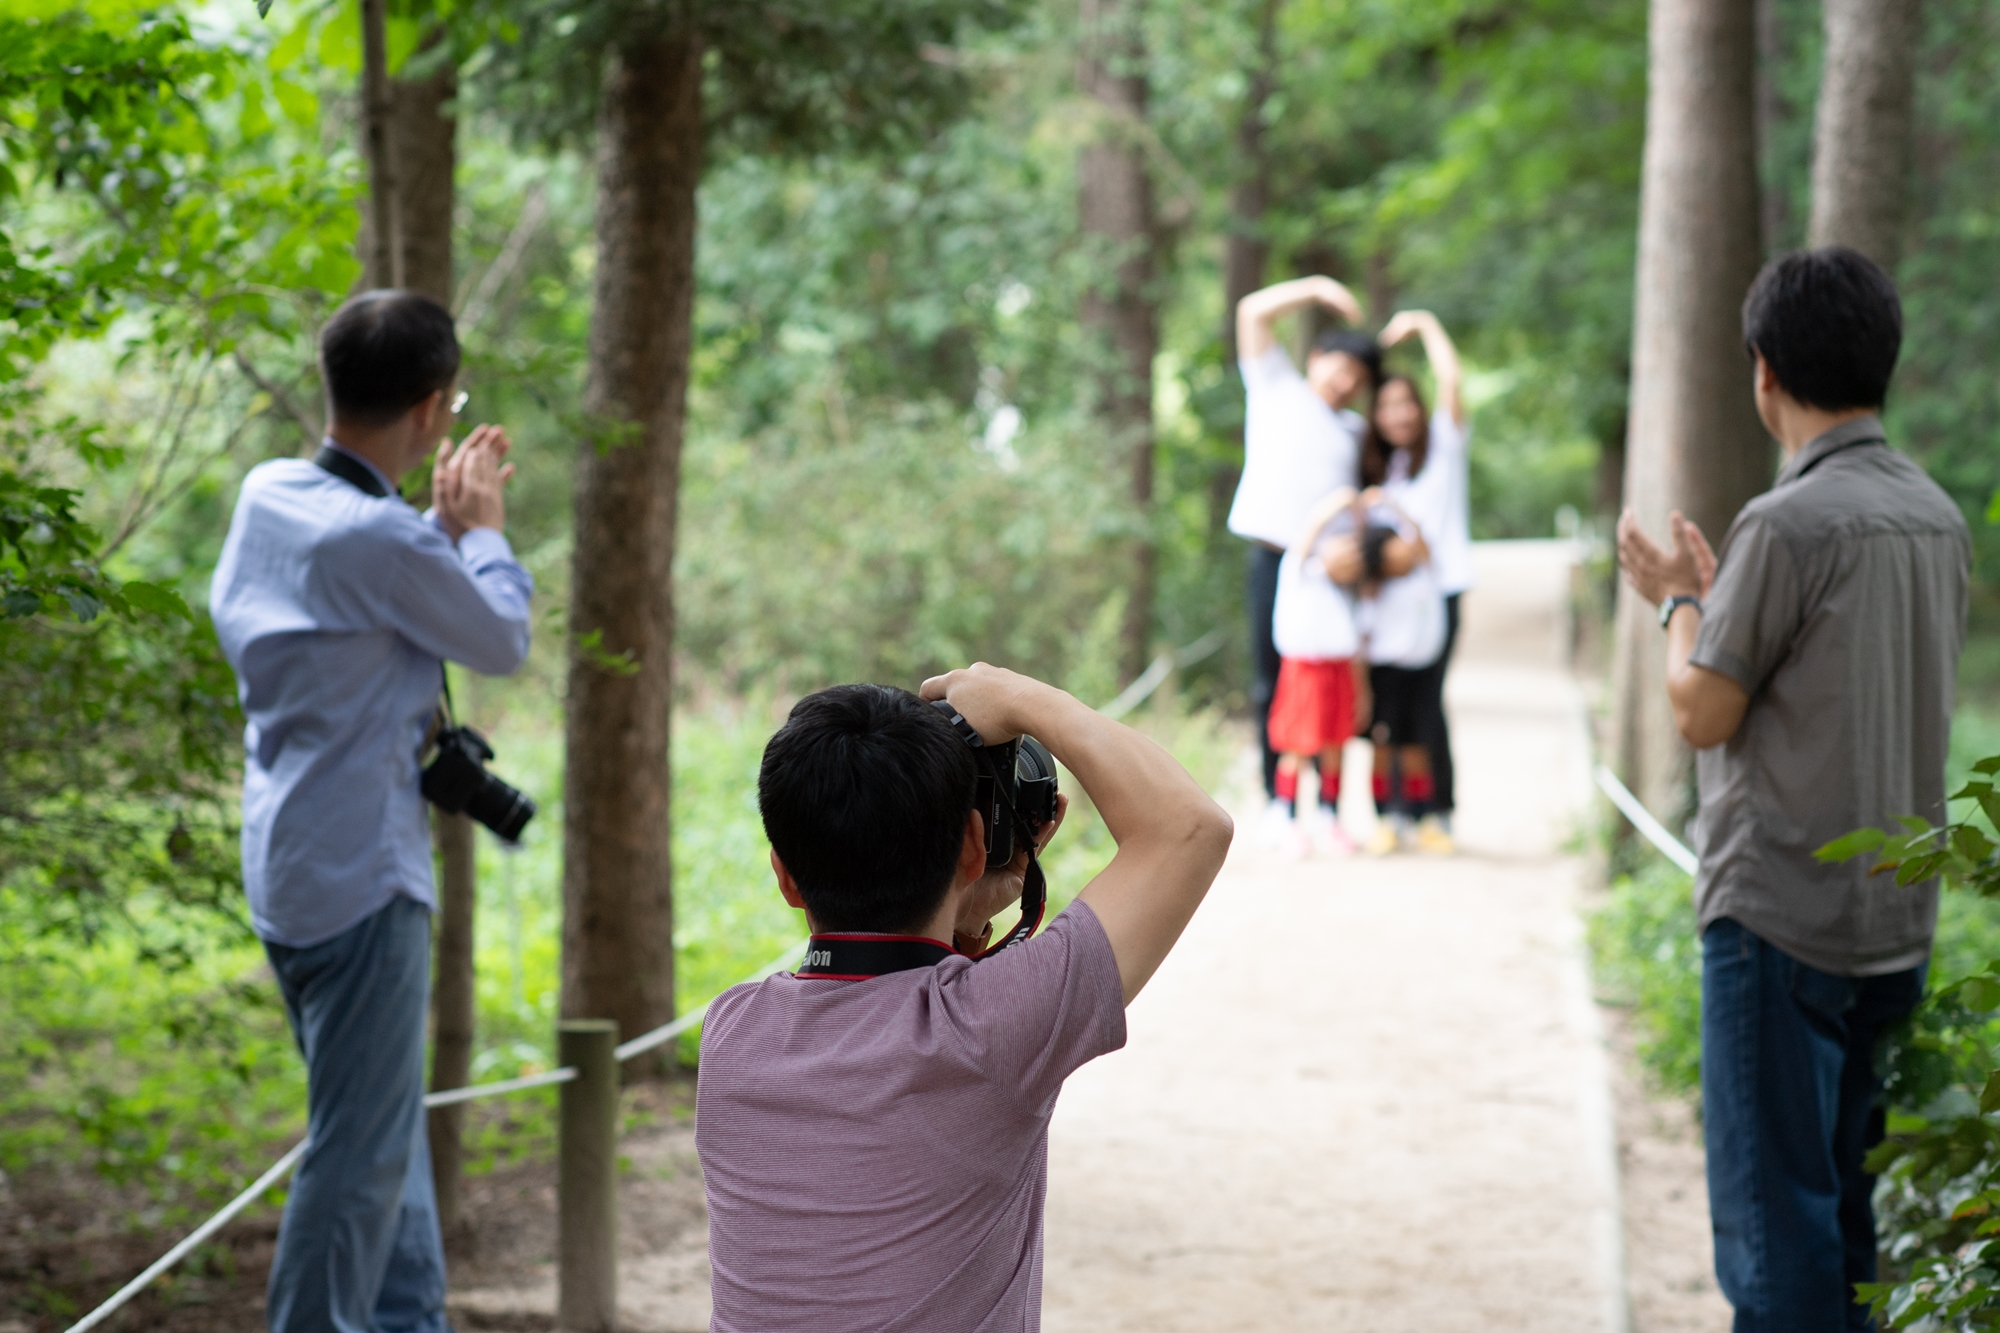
{"x": 1313, "y": 709}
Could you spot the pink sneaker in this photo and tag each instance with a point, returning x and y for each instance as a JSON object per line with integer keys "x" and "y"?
{"x": 1328, "y": 837}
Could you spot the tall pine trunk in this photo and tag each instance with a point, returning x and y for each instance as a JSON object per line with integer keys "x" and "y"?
{"x": 1694, "y": 442}
{"x": 1246, "y": 251}
{"x": 423, "y": 144}
{"x": 618, "y": 954}
{"x": 1864, "y": 135}
{"x": 380, "y": 264}
{"x": 1120, "y": 313}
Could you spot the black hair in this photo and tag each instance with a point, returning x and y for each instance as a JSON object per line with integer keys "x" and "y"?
{"x": 865, "y": 792}
{"x": 1829, "y": 325}
{"x": 1361, "y": 346}
{"x": 383, "y": 352}
{"x": 1376, "y": 450}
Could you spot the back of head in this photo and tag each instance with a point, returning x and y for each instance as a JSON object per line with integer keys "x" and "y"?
{"x": 865, "y": 792}
{"x": 382, "y": 353}
{"x": 1829, "y": 325}
{"x": 1352, "y": 342}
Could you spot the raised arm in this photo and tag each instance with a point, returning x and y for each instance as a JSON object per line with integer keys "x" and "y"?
{"x": 1260, "y": 310}
{"x": 1439, "y": 350}
{"x": 1171, "y": 837}
{"x": 1327, "y": 510}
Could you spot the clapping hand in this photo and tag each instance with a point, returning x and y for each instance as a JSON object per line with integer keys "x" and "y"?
{"x": 1685, "y": 569}
{"x": 467, "y": 482}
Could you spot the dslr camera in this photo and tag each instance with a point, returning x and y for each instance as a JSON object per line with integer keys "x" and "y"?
{"x": 456, "y": 781}
{"x": 1016, "y": 791}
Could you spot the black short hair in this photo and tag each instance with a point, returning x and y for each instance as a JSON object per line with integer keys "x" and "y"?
{"x": 1361, "y": 346}
{"x": 383, "y": 352}
{"x": 864, "y": 792}
{"x": 1829, "y": 325}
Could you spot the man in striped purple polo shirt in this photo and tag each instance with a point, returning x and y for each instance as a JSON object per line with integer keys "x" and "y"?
{"x": 873, "y": 1129}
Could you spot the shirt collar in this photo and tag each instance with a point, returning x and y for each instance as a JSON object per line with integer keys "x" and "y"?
{"x": 328, "y": 442}
{"x": 1861, "y": 430}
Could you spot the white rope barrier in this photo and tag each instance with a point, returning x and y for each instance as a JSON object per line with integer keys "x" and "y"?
{"x": 1642, "y": 819}
{"x": 1151, "y": 678}
{"x": 1131, "y": 697}
{"x": 278, "y": 1171}
{"x": 453, "y": 1096}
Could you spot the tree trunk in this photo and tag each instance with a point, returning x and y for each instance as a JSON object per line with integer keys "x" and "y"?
{"x": 380, "y": 253}
{"x": 618, "y": 939}
{"x": 1774, "y": 212}
{"x": 1694, "y": 442}
{"x": 452, "y": 1005}
{"x": 1864, "y": 135}
{"x": 1246, "y": 251}
{"x": 1120, "y": 314}
{"x": 423, "y": 141}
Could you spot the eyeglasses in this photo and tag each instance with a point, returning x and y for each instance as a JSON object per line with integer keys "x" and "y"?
{"x": 458, "y": 403}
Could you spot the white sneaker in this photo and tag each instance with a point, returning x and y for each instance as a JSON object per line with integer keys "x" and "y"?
{"x": 1274, "y": 830}
{"x": 1328, "y": 837}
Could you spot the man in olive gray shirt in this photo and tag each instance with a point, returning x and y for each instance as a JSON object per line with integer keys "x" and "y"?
{"x": 1813, "y": 669}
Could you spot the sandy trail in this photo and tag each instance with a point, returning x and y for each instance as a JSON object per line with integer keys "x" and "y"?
{"x": 1371, "y": 1094}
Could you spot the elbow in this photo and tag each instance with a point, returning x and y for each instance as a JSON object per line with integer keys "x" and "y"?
{"x": 504, "y": 654}
{"x": 1211, "y": 830}
{"x": 1701, "y": 728}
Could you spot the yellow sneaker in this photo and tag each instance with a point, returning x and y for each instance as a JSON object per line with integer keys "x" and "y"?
{"x": 1384, "y": 840}
{"x": 1434, "y": 839}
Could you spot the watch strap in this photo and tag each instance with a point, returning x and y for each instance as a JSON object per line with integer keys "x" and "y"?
{"x": 1675, "y": 603}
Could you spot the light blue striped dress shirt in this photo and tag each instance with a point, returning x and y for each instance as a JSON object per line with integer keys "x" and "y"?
{"x": 337, "y": 609}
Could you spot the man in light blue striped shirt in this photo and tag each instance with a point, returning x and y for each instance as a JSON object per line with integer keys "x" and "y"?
{"x": 338, "y": 604}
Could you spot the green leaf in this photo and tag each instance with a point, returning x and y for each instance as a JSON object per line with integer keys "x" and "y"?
{"x": 1982, "y": 994}
{"x": 264, "y": 10}
{"x": 1971, "y": 844}
{"x": 1989, "y": 765}
{"x": 1912, "y": 824}
{"x": 156, "y": 599}
{"x": 1852, "y": 845}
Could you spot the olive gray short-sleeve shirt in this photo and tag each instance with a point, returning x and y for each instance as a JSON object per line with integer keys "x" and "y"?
{"x": 1839, "y": 605}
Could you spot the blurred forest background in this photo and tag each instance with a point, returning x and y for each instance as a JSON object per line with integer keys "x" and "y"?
{"x": 898, "y": 454}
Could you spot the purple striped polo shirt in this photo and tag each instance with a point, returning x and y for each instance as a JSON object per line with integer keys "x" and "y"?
{"x": 876, "y": 1152}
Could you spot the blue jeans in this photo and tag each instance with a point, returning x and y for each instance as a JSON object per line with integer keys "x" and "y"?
{"x": 1790, "y": 1106}
{"x": 359, "y": 1250}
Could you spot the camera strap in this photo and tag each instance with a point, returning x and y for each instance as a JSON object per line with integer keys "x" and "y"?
{"x": 350, "y": 470}
{"x": 858, "y": 957}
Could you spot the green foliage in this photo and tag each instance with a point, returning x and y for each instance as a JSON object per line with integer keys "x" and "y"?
{"x": 1648, "y": 959}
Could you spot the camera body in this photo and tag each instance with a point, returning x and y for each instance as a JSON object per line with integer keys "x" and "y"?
{"x": 456, "y": 781}
{"x": 1015, "y": 792}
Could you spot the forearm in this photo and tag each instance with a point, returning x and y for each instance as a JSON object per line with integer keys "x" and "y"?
{"x": 1258, "y": 312}
{"x": 1442, "y": 353}
{"x": 1708, "y": 706}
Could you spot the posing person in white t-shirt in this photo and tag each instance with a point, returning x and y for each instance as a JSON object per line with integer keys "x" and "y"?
{"x": 1301, "y": 439}
{"x": 1419, "y": 459}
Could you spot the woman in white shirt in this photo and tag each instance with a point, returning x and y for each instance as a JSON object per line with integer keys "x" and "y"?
{"x": 1419, "y": 459}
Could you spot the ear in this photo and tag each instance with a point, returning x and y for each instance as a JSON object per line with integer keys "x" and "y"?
{"x": 787, "y": 886}
{"x": 972, "y": 850}
{"x": 428, "y": 414}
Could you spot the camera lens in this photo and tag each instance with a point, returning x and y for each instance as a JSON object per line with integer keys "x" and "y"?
{"x": 500, "y": 807}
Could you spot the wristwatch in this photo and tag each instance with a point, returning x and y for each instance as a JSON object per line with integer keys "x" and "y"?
{"x": 1675, "y": 603}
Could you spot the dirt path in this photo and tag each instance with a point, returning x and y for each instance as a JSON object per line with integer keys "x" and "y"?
{"x": 1371, "y": 1094}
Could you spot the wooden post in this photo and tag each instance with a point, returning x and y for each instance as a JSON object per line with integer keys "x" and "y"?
{"x": 587, "y": 1178}
{"x": 453, "y": 1007}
